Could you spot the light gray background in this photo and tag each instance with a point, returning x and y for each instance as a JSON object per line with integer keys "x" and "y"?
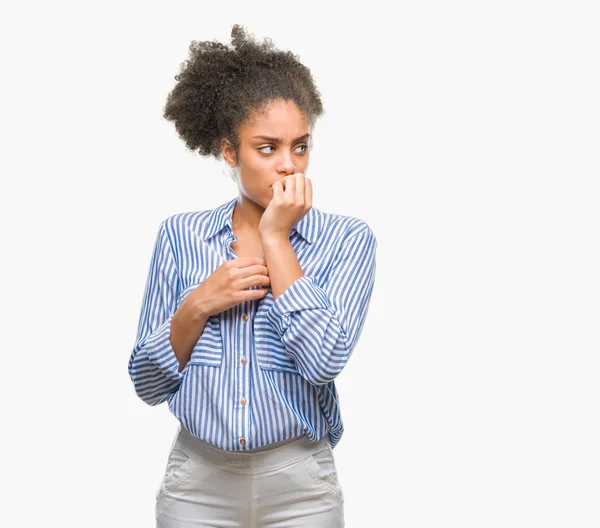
{"x": 466, "y": 135}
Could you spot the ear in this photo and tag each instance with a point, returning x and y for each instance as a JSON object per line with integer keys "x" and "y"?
{"x": 228, "y": 152}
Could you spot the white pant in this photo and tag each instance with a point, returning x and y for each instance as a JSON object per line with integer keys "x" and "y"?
{"x": 292, "y": 485}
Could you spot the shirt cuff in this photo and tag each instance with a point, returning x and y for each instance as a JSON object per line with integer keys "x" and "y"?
{"x": 302, "y": 294}
{"x": 161, "y": 353}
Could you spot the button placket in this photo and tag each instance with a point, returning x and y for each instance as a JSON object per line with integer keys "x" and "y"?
{"x": 244, "y": 378}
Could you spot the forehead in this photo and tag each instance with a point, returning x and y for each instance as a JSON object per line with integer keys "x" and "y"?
{"x": 281, "y": 119}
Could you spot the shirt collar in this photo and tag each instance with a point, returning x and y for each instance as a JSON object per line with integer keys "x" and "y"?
{"x": 308, "y": 227}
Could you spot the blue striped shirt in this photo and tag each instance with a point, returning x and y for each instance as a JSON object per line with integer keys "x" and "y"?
{"x": 262, "y": 371}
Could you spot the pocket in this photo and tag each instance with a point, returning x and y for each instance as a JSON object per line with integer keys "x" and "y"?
{"x": 208, "y": 350}
{"x": 179, "y": 468}
{"x": 322, "y": 469}
{"x": 271, "y": 353}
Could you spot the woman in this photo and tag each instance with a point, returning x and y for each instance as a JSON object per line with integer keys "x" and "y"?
{"x": 253, "y": 308}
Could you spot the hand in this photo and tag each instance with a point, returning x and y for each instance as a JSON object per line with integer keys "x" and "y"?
{"x": 292, "y": 199}
{"x": 227, "y": 286}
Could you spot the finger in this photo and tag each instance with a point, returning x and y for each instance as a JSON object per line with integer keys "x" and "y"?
{"x": 251, "y": 295}
{"x": 249, "y": 261}
{"x": 251, "y": 271}
{"x": 278, "y": 191}
{"x": 263, "y": 281}
{"x": 290, "y": 187}
{"x": 300, "y": 179}
{"x": 254, "y": 271}
{"x": 308, "y": 192}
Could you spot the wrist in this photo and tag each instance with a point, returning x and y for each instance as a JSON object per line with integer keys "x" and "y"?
{"x": 272, "y": 238}
{"x": 194, "y": 309}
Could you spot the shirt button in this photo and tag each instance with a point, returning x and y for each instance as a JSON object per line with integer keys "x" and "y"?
{"x": 243, "y": 401}
{"x": 244, "y": 360}
{"x": 242, "y": 441}
{"x": 245, "y": 317}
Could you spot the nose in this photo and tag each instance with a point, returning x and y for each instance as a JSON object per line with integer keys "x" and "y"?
{"x": 286, "y": 166}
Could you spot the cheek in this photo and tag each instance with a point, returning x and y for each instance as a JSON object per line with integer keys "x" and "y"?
{"x": 304, "y": 163}
{"x": 257, "y": 187}
{"x": 258, "y": 171}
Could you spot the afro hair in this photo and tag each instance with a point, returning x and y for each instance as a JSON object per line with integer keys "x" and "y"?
{"x": 221, "y": 87}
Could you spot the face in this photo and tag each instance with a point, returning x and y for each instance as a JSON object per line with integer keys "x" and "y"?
{"x": 273, "y": 144}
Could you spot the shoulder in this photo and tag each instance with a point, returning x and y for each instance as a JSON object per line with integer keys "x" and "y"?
{"x": 185, "y": 224}
{"x": 345, "y": 226}
{"x": 185, "y": 220}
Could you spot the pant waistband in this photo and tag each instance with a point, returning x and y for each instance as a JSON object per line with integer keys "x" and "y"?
{"x": 250, "y": 462}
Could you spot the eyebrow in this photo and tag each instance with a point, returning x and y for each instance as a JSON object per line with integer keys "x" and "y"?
{"x": 278, "y": 140}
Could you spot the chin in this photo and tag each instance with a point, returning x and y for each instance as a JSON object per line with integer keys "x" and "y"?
{"x": 261, "y": 202}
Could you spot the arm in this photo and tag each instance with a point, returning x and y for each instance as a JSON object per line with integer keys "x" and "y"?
{"x": 282, "y": 263}
{"x": 153, "y": 365}
{"x": 320, "y": 325}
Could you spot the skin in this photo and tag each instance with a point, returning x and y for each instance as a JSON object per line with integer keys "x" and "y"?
{"x": 273, "y": 193}
{"x": 273, "y": 196}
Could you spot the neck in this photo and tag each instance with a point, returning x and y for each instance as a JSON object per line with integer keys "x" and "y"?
{"x": 246, "y": 215}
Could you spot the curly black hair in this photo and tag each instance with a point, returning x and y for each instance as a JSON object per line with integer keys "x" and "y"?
{"x": 221, "y": 87}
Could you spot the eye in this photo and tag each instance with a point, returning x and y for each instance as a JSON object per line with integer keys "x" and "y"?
{"x": 261, "y": 149}
{"x": 266, "y": 146}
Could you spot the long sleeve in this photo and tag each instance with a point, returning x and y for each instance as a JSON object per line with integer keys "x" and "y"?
{"x": 153, "y": 366}
{"x": 320, "y": 326}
